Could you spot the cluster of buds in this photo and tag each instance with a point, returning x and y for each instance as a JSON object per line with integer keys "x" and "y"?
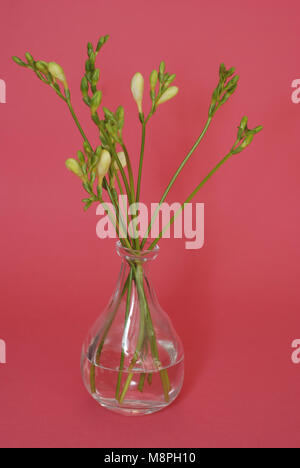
{"x": 111, "y": 126}
{"x": 226, "y": 87}
{"x": 50, "y": 73}
{"x": 91, "y": 165}
{"x": 245, "y": 135}
{"x": 91, "y": 78}
{"x": 159, "y": 94}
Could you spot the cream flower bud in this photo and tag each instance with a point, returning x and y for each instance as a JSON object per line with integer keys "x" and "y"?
{"x": 103, "y": 166}
{"x": 58, "y": 73}
{"x": 74, "y": 167}
{"x": 168, "y": 94}
{"x": 137, "y": 89}
{"x": 122, "y": 158}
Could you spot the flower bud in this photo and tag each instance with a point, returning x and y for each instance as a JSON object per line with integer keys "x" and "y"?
{"x": 122, "y": 159}
{"x": 162, "y": 68}
{"x": 242, "y": 127}
{"x": 247, "y": 141}
{"x": 84, "y": 86}
{"x": 153, "y": 80}
{"x": 103, "y": 166}
{"x": 101, "y": 42}
{"x": 168, "y": 94}
{"x": 258, "y": 129}
{"x": 120, "y": 116}
{"x": 170, "y": 80}
{"x": 137, "y": 89}
{"x": 74, "y": 167}
{"x": 57, "y": 72}
{"x": 18, "y": 61}
{"x": 96, "y": 101}
{"x": 96, "y": 76}
{"x": 29, "y": 58}
{"x": 90, "y": 48}
{"x": 42, "y": 66}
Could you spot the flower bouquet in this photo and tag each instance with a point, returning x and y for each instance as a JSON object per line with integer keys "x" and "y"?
{"x": 132, "y": 359}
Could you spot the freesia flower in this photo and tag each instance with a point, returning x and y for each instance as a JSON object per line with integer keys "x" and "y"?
{"x": 137, "y": 89}
{"x": 103, "y": 166}
{"x": 58, "y": 73}
{"x": 74, "y": 167}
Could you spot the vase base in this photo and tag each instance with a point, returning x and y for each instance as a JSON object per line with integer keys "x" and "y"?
{"x": 131, "y": 408}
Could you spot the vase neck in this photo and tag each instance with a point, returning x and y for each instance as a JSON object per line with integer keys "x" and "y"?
{"x": 137, "y": 257}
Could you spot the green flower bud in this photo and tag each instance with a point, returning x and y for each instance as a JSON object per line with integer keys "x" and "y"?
{"x": 96, "y": 101}
{"x": 92, "y": 61}
{"x": 153, "y": 80}
{"x": 90, "y": 49}
{"x": 168, "y": 94}
{"x": 225, "y": 98}
{"x": 170, "y": 80}
{"x": 74, "y": 167}
{"x": 258, "y": 129}
{"x": 137, "y": 89}
{"x": 42, "y": 67}
{"x": 162, "y": 68}
{"x": 230, "y": 72}
{"x": 120, "y": 116}
{"x": 247, "y": 141}
{"x": 87, "y": 66}
{"x": 87, "y": 148}
{"x": 81, "y": 157}
{"x": 108, "y": 114}
{"x": 95, "y": 76}
{"x": 101, "y": 42}
{"x": 57, "y": 72}
{"x": 232, "y": 83}
{"x": 242, "y": 127}
{"x": 84, "y": 86}
{"x": 29, "y": 58}
{"x": 18, "y": 61}
{"x": 222, "y": 70}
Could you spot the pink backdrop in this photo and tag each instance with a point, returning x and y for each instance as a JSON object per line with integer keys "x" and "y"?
{"x": 235, "y": 303}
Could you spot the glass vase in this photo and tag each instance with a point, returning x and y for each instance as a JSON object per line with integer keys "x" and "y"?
{"x": 132, "y": 359}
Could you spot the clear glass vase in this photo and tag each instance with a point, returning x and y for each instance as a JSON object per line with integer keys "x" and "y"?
{"x": 132, "y": 359}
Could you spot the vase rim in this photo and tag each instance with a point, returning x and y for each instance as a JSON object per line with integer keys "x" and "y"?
{"x": 132, "y": 254}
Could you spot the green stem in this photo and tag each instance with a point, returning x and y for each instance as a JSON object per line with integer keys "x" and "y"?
{"x": 122, "y": 194}
{"x": 170, "y": 185}
{"x": 138, "y": 188}
{"x": 76, "y": 121}
{"x": 139, "y": 281}
{"x": 146, "y": 325}
{"x": 141, "y": 382}
{"x": 122, "y": 359}
{"x": 190, "y": 197}
{"x": 130, "y": 171}
{"x": 106, "y": 330}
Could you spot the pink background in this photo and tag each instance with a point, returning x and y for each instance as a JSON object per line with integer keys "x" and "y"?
{"x": 235, "y": 303}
